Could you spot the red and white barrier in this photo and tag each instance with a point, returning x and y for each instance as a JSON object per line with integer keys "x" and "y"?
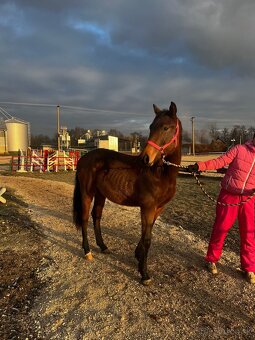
{"x": 47, "y": 162}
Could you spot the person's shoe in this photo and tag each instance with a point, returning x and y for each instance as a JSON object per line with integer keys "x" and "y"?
{"x": 250, "y": 276}
{"x": 211, "y": 266}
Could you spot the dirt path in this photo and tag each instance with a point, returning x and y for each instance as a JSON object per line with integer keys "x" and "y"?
{"x": 103, "y": 299}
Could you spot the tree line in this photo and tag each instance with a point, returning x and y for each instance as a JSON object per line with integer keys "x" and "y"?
{"x": 38, "y": 140}
{"x": 238, "y": 134}
{"x": 235, "y": 135}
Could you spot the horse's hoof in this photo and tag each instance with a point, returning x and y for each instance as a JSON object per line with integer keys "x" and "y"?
{"x": 89, "y": 256}
{"x": 146, "y": 282}
{"x": 106, "y": 251}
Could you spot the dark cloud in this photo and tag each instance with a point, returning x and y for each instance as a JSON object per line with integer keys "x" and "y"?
{"x": 123, "y": 56}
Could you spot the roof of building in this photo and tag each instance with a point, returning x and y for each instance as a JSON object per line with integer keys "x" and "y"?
{"x": 15, "y": 120}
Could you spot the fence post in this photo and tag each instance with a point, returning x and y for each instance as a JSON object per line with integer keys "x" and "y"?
{"x": 21, "y": 162}
{"x": 57, "y": 162}
{"x": 64, "y": 154}
{"x": 12, "y": 161}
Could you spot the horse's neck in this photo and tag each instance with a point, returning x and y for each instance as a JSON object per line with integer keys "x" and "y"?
{"x": 163, "y": 171}
{"x": 174, "y": 158}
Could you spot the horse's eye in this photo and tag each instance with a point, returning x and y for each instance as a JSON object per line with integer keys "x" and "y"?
{"x": 165, "y": 128}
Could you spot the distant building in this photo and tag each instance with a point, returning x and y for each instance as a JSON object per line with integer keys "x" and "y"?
{"x": 107, "y": 142}
{"x": 215, "y": 146}
{"x": 64, "y": 138}
{"x": 218, "y": 145}
{"x": 99, "y": 133}
{"x": 88, "y": 135}
{"x": 84, "y": 138}
{"x": 124, "y": 144}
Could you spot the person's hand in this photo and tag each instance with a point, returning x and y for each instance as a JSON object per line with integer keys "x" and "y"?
{"x": 193, "y": 168}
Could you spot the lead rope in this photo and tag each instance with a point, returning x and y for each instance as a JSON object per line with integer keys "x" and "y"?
{"x": 202, "y": 188}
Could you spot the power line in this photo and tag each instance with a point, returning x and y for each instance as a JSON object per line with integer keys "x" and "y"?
{"x": 8, "y": 116}
{"x": 221, "y": 122}
{"x": 5, "y": 113}
{"x": 28, "y": 104}
{"x": 69, "y": 107}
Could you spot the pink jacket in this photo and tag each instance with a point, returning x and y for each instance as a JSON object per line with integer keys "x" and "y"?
{"x": 240, "y": 176}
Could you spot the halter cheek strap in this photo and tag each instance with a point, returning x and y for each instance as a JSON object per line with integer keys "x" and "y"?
{"x": 173, "y": 140}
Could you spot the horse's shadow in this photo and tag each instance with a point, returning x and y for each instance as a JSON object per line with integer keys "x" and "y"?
{"x": 50, "y": 212}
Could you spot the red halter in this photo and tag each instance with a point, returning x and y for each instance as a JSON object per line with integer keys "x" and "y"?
{"x": 173, "y": 140}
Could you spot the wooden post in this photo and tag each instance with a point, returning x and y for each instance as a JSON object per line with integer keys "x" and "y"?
{"x": 193, "y": 136}
{"x": 58, "y": 129}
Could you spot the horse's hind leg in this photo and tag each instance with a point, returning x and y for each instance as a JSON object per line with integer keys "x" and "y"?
{"x": 96, "y": 213}
{"x": 86, "y": 202}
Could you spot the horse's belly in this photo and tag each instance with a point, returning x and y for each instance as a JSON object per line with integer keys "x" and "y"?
{"x": 117, "y": 187}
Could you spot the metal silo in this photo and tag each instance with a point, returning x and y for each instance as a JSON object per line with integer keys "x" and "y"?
{"x": 18, "y": 134}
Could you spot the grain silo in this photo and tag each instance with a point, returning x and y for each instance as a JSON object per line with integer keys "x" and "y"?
{"x": 3, "y": 137}
{"x": 14, "y": 133}
{"x": 18, "y": 134}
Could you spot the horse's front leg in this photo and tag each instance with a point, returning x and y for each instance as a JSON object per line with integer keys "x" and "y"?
{"x": 141, "y": 252}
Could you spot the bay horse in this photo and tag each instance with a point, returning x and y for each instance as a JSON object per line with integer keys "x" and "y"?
{"x": 143, "y": 181}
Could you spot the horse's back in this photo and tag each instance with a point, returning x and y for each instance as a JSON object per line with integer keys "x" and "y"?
{"x": 104, "y": 159}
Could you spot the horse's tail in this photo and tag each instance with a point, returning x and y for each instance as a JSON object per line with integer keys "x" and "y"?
{"x": 77, "y": 206}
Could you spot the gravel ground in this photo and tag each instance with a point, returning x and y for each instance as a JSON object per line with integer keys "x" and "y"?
{"x": 103, "y": 299}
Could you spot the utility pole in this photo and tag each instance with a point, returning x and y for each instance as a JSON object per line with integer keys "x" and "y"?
{"x": 193, "y": 135}
{"x": 58, "y": 130}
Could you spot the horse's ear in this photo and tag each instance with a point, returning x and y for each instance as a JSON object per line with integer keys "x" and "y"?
{"x": 173, "y": 109}
{"x": 156, "y": 109}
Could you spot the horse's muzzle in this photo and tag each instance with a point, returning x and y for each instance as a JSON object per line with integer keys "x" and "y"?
{"x": 146, "y": 160}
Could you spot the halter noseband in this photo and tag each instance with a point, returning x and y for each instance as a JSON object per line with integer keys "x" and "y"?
{"x": 173, "y": 140}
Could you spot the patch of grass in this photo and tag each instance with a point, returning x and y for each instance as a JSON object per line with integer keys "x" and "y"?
{"x": 193, "y": 211}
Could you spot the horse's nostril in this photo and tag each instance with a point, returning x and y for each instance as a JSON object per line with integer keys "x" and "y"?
{"x": 146, "y": 159}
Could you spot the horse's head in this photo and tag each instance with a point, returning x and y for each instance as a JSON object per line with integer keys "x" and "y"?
{"x": 164, "y": 135}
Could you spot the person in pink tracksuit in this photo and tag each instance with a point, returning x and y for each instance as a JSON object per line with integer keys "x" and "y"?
{"x": 237, "y": 185}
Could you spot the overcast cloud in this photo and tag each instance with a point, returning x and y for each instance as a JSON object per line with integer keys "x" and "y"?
{"x": 106, "y": 62}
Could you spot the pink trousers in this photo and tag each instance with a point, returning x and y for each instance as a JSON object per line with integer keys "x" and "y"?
{"x": 225, "y": 218}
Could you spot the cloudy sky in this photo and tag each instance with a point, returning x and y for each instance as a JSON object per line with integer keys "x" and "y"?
{"x": 106, "y": 62}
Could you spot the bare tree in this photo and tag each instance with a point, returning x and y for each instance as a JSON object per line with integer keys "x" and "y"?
{"x": 116, "y": 133}
{"x": 213, "y": 132}
{"x": 186, "y": 137}
{"x": 38, "y": 140}
{"x": 225, "y": 137}
{"x": 202, "y": 136}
